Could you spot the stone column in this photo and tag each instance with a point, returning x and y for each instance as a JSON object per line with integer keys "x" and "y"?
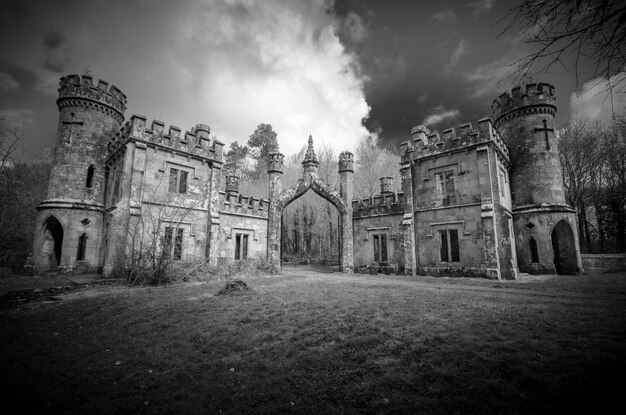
{"x": 212, "y": 250}
{"x": 408, "y": 229}
{"x": 346, "y": 189}
{"x": 275, "y": 170}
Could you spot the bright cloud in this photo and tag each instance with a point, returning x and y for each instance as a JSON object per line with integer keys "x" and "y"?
{"x": 273, "y": 62}
{"x": 460, "y": 50}
{"x": 439, "y": 114}
{"x": 444, "y": 16}
{"x": 354, "y": 28}
{"x": 594, "y": 101}
{"x": 481, "y": 6}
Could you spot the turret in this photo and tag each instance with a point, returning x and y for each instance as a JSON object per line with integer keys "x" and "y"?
{"x": 232, "y": 185}
{"x": 525, "y": 118}
{"x": 70, "y": 220}
{"x": 544, "y": 225}
{"x": 386, "y": 185}
{"x": 89, "y": 116}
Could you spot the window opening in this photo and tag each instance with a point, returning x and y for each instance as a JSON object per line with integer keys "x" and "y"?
{"x": 90, "y": 171}
{"x": 380, "y": 247}
{"x": 178, "y": 181}
{"x": 82, "y": 247}
{"x": 173, "y": 242}
{"x": 534, "y": 252}
{"x": 241, "y": 246}
{"x": 444, "y": 182}
{"x": 449, "y": 245}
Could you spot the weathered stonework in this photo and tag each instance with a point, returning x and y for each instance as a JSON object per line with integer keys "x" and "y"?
{"x": 380, "y": 215}
{"x": 279, "y": 199}
{"x": 483, "y": 201}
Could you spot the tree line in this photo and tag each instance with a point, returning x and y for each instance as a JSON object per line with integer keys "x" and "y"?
{"x": 593, "y": 161}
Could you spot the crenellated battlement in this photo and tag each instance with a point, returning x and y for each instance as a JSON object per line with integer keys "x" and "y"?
{"x": 82, "y": 87}
{"x": 382, "y": 204}
{"x": 535, "y": 94}
{"x": 427, "y": 144}
{"x": 195, "y": 142}
{"x": 243, "y": 205}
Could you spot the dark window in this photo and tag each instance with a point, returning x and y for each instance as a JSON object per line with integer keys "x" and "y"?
{"x": 82, "y": 247}
{"x": 241, "y": 246}
{"x": 380, "y": 247}
{"x": 449, "y": 245}
{"x": 178, "y": 244}
{"x": 175, "y": 249}
{"x": 178, "y": 181}
{"x": 534, "y": 253}
{"x": 90, "y": 172}
{"x": 167, "y": 241}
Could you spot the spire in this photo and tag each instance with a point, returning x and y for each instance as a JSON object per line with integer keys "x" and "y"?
{"x": 310, "y": 159}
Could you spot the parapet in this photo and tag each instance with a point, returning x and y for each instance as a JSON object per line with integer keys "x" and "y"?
{"x": 346, "y": 161}
{"x": 523, "y": 96}
{"x": 453, "y": 139}
{"x": 379, "y": 205}
{"x": 195, "y": 142}
{"x": 243, "y": 205}
{"x": 82, "y": 87}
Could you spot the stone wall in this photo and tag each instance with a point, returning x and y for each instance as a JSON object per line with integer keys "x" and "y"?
{"x": 604, "y": 262}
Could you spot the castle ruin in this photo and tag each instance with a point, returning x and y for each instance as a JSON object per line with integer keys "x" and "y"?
{"x": 484, "y": 200}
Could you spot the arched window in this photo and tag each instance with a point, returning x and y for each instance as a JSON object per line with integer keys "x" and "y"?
{"x": 82, "y": 247}
{"x": 534, "y": 253}
{"x": 90, "y": 172}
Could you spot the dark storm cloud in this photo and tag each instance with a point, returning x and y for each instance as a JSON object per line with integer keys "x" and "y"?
{"x": 54, "y": 40}
{"x": 24, "y": 77}
{"x": 57, "y": 54}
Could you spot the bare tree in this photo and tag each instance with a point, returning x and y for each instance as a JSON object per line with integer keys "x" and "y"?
{"x": 569, "y": 33}
{"x": 155, "y": 232}
{"x": 372, "y": 163}
{"x": 9, "y": 140}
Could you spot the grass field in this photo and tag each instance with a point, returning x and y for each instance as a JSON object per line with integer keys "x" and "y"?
{"x": 310, "y": 342}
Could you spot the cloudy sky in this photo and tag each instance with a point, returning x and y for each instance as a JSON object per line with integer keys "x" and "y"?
{"x": 338, "y": 70}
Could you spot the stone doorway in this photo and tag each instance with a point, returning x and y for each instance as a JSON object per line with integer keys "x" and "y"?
{"x": 52, "y": 244}
{"x": 280, "y": 199}
{"x": 564, "y": 248}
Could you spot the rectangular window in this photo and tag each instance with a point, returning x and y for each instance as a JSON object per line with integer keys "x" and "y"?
{"x": 504, "y": 183}
{"x": 449, "y": 245}
{"x": 82, "y": 247}
{"x": 178, "y": 181}
{"x": 534, "y": 252}
{"x": 178, "y": 244}
{"x": 173, "y": 250}
{"x": 380, "y": 247}
{"x": 444, "y": 182}
{"x": 241, "y": 246}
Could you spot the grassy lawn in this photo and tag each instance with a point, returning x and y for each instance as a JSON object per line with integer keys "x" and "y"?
{"x": 320, "y": 343}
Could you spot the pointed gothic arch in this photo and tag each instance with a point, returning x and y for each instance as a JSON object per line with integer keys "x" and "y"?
{"x": 280, "y": 199}
{"x": 564, "y": 247}
{"x": 52, "y": 243}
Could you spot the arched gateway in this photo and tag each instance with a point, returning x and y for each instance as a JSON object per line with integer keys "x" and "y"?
{"x": 280, "y": 199}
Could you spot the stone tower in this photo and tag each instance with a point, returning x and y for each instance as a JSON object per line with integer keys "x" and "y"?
{"x": 544, "y": 225}
{"x": 70, "y": 220}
